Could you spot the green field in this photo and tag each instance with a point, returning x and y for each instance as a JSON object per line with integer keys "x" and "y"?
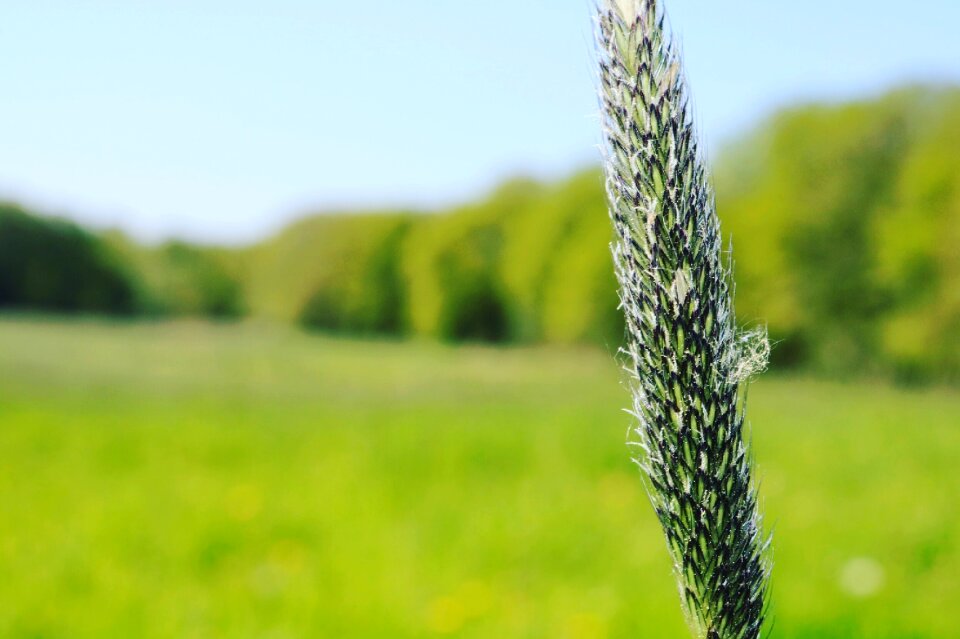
{"x": 193, "y": 480}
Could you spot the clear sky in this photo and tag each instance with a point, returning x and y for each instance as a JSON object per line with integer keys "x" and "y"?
{"x": 222, "y": 119}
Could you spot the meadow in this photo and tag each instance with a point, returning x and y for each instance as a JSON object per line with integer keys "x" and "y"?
{"x": 248, "y": 480}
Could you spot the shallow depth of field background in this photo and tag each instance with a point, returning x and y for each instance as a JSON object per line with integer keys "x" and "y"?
{"x": 229, "y": 408}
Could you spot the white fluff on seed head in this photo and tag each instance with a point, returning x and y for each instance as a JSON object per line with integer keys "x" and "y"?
{"x": 628, "y": 8}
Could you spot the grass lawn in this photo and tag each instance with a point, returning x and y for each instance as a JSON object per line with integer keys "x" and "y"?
{"x": 188, "y": 480}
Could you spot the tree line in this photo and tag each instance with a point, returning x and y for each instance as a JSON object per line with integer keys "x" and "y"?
{"x": 845, "y": 222}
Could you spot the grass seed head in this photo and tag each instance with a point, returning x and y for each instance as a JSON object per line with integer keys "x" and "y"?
{"x": 687, "y": 360}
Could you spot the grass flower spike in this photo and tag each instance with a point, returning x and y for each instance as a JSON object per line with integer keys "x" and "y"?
{"x": 688, "y": 362}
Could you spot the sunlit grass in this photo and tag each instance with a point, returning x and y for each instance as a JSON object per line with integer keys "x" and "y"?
{"x": 189, "y": 480}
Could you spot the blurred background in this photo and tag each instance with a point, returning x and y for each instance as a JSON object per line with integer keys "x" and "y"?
{"x": 308, "y": 321}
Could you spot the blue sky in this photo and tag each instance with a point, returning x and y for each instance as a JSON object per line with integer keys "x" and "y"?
{"x": 221, "y": 120}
